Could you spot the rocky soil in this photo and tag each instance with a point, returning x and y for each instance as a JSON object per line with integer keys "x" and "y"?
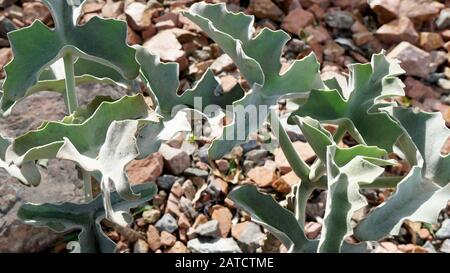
{"x": 191, "y": 212}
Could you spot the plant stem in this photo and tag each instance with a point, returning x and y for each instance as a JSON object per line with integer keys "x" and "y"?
{"x": 70, "y": 96}
{"x": 88, "y": 195}
{"x": 299, "y": 166}
{"x": 304, "y": 191}
{"x": 72, "y": 104}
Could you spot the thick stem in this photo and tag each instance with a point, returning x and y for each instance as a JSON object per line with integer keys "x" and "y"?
{"x": 88, "y": 194}
{"x": 299, "y": 166}
{"x": 70, "y": 95}
{"x": 304, "y": 191}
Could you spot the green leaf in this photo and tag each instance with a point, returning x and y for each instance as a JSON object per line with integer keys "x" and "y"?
{"x": 368, "y": 85}
{"x": 102, "y": 145}
{"x": 28, "y": 174}
{"x": 416, "y": 199}
{"x": 163, "y": 84}
{"x": 422, "y": 194}
{"x": 278, "y": 220}
{"x": 429, "y": 133}
{"x": 36, "y": 47}
{"x": 88, "y": 136}
{"x": 346, "y": 169}
{"x": 85, "y": 217}
{"x": 258, "y": 59}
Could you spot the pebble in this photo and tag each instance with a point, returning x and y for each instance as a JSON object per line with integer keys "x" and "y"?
{"x": 151, "y": 216}
{"x": 166, "y": 181}
{"x": 339, "y": 19}
{"x": 209, "y": 229}
{"x": 249, "y": 145}
{"x": 195, "y": 172}
{"x": 189, "y": 189}
{"x": 167, "y": 223}
{"x": 217, "y": 245}
{"x": 415, "y": 61}
{"x": 140, "y": 246}
{"x": 153, "y": 238}
{"x": 176, "y": 160}
{"x": 223, "y": 216}
{"x": 167, "y": 239}
{"x": 443, "y": 21}
{"x": 256, "y": 155}
{"x": 248, "y": 236}
{"x": 178, "y": 247}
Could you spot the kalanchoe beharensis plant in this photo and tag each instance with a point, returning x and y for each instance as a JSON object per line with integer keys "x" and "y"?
{"x": 365, "y": 108}
{"x": 102, "y": 137}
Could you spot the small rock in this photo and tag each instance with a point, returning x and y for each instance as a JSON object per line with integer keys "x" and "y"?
{"x": 177, "y": 189}
{"x": 312, "y": 230}
{"x": 333, "y": 51}
{"x": 217, "y": 186}
{"x": 195, "y": 172}
{"x": 248, "y": 236}
{"x": 151, "y": 216}
{"x": 416, "y": 89}
{"x": 112, "y": 9}
{"x": 145, "y": 170}
{"x": 223, "y": 216}
{"x": 153, "y": 238}
{"x": 362, "y": 38}
{"x": 5, "y": 56}
{"x": 397, "y": 31}
{"x": 444, "y": 84}
{"x": 173, "y": 205}
{"x": 167, "y": 223}
{"x": 189, "y": 189}
{"x": 247, "y": 165}
{"x": 222, "y": 63}
{"x": 36, "y": 11}
{"x": 249, "y": 145}
{"x": 256, "y": 155}
{"x": 209, "y": 229}
{"x": 217, "y": 245}
{"x": 296, "y": 20}
{"x": 166, "y": 45}
{"x": 176, "y": 160}
{"x": 430, "y": 41}
{"x": 263, "y": 176}
{"x": 285, "y": 183}
{"x": 415, "y": 61}
{"x": 187, "y": 208}
{"x": 339, "y": 19}
{"x": 444, "y": 230}
{"x": 445, "y": 247}
{"x": 228, "y": 82}
{"x": 443, "y": 21}
{"x": 167, "y": 239}
{"x": 139, "y": 16}
{"x": 318, "y": 34}
{"x": 140, "y": 246}
{"x": 166, "y": 181}
{"x": 263, "y": 9}
{"x": 159, "y": 199}
{"x": 178, "y": 247}
{"x": 420, "y": 11}
{"x": 223, "y": 165}
{"x": 183, "y": 221}
{"x": 201, "y": 219}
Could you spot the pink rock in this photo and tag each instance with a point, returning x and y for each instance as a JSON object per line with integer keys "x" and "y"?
{"x": 397, "y": 31}
{"x": 145, "y": 170}
{"x": 415, "y": 61}
{"x": 296, "y": 20}
{"x": 263, "y": 9}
